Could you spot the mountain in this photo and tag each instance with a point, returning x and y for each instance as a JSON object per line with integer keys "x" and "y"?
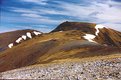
{"x": 82, "y": 26}
{"x": 10, "y": 37}
{"x": 70, "y": 42}
{"x": 106, "y": 36}
{"x": 109, "y": 37}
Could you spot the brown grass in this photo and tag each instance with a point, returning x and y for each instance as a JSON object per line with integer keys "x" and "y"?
{"x": 51, "y": 47}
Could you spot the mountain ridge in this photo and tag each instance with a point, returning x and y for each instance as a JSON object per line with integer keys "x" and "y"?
{"x": 11, "y": 37}
{"x": 93, "y": 30}
{"x": 60, "y": 45}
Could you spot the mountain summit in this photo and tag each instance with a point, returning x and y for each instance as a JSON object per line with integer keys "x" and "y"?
{"x": 93, "y": 31}
{"x": 82, "y": 26}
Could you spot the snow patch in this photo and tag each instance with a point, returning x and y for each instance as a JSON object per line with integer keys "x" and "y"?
{"x": 36, "y": 33}
{"x": 97, "y": 27}
{"x": 89, "y": 37}
{"x": 29, "y": 34}
{"x": 19, "y": 40}
{"x": 10, "y": 45}
{"x": 24, "y": 37}
{"x": 60, "y": 31}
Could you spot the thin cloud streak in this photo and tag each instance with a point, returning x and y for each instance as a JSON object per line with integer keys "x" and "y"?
{"x": 32, "y": 15}
{"x": 40, "y": 2}
{"x": 105, "y": 12}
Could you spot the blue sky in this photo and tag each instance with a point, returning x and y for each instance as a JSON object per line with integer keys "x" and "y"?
{"x": 45, "y": 15}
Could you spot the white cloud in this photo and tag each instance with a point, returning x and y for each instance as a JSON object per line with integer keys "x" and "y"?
{"x": 107, "y": 12}
{"x": 76, "y": 10}
{"x": 51, "y": 11}
{"x": 21, "y": 10}
{"x": 104, "y": 12}
{"x": 45, "y": 30}
{"x": 42, "y": 2}
{"x": 115, "y": 26}
{"x": 32, "y": 15}
{"x": 35, "y": 15}
{"x": 6, "y": 29}
{"x": 30, "y": 20}
{"x": 42, "y": 28}
{"x": 38, "y": 11}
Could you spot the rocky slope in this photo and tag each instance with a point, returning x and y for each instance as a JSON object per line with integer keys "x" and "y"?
{"x": 109, "y": 69}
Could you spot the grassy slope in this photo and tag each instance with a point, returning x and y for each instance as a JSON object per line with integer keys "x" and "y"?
{"x": 53, "y": 47}
{"x": 10, "y": 37}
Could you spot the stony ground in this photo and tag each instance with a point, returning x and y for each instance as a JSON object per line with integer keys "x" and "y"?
{"x": 109, "y": 69}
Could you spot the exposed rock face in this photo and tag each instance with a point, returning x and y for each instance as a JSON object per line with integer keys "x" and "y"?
{"x": 96, "y": 70}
